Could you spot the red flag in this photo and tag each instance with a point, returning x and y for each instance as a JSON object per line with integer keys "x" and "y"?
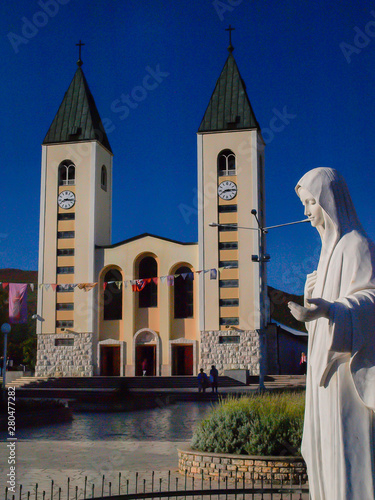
{"x": 5, "y": 285}
{"x": 17, "y": 303}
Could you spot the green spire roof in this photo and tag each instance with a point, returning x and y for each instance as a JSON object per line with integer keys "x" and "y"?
{"x": 77, "y": 118}
{"x": 229, "y": 107}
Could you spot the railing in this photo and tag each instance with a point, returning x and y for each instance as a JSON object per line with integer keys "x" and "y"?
{"x": 171, "y": 485}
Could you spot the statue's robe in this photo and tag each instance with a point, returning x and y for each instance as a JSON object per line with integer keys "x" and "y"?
{"x": 339, "y": 430}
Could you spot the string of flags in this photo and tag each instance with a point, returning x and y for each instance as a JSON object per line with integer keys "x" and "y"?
{"x": 136, "y": 285}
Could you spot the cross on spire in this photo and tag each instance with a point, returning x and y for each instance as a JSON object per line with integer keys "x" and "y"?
{"x": 230, "y": 47}
{"x": 80, "y": 45}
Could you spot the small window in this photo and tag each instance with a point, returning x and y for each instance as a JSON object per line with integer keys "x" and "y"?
{"x": 226, "y": 163}
{"x": 64, "y": 288}
{"x": 229, "y": 264}
{"x": 64, "y": 342}
{"x": 228, "y": 227}
{"x": 65, "y": 252}
{"x": 67, "y": 173}
{"x": 229, "y": 321}
{"x": 103, "y": 178}
{"x": 66, "y": 234}
{"x": 224, "y": 209}
{"x": 64, "y": 324}
{"x": 228, "y": 283}
{"x": 229, "y": 302}
{"x": 228, "y": 245}
{"x": 66, "y": 216}
{"x": 229, "y": 339}
{"x": 65, "y": 270}
{"x": 65, "y": 306}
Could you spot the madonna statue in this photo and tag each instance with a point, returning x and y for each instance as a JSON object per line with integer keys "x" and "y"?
{"x": 338, "y": 442}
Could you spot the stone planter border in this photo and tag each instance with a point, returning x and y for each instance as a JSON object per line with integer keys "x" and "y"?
{"x": 241, "y": 466}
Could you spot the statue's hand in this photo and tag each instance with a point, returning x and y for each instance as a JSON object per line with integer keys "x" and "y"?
{"x": 318, "y": 308}
{"x": 309, "y": 286}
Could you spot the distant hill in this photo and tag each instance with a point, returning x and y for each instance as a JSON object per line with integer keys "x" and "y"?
{"x": 18, "y": 276}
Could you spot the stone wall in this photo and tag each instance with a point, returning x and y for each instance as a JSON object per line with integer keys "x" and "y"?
{"x": 241, "y": 466}
{"x": 243, "y": 355}
{"x": 65, "y": 360}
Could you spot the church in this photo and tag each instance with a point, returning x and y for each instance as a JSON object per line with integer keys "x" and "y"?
{"x": 150, "y": 303}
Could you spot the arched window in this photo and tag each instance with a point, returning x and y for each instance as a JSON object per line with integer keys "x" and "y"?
{"x": 67, "y": 173}
{"x": 148, "y": 268}
{"x": 103, "y": 178}
{"x": 226, "y": 163}
{"x": 183, "y": 294}
{"x": 112, "y": 295}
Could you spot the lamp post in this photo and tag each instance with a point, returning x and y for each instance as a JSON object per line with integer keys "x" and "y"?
{"x": 5, "y": 329}
{"x": 262, "y": 259}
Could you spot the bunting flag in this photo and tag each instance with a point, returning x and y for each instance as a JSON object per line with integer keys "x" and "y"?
{"x": 139, "y": 285}
{"x": 86, "y": 286}
{"x": 213, "y": 274}
{"x": 170, "y": 280}
{"x": 17, "y": 303}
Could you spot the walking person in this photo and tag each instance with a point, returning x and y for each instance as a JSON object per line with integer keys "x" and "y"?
{"x": 214, "y": 378}
{"x": 202, "y": 381}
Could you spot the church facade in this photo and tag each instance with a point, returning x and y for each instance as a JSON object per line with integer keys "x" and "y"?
{"x": 150, "y": 303}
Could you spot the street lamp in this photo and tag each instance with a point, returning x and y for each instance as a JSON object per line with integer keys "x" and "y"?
{"x": 261, "y": 259}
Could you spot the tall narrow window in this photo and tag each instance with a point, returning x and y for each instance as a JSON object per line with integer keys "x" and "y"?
{"x": 183, "y": 294}
{"x": 148, "y": 268}
{"x": 226, "y": 163}
{"x": 112, "y": 295}
{"x": 103, "y": 178}
{"x": 67, "y": 173}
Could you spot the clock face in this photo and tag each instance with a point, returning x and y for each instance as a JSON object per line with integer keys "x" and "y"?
{"x": 227, "y": 190}
{"x": 66, "y": 199}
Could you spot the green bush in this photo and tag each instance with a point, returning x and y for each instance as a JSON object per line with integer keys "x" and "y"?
{"x": 268, "y": 424}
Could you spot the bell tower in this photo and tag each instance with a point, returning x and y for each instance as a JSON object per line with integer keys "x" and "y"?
{"x": 75, "y": 216}
{"x": 230, "y": 187}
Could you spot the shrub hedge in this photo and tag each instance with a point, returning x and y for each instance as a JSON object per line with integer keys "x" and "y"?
{"x": 265, "y": 424}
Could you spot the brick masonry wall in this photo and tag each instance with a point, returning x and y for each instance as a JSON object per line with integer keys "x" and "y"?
{"x": 65, "y": 361}
{"x": 241, "y": 466}
{"x": 238, "y": 356}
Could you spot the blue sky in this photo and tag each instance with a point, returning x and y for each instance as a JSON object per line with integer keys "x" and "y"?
{"x": 313, "y": 60}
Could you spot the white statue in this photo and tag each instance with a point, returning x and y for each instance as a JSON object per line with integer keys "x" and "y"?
{"x": 338, "y": 442}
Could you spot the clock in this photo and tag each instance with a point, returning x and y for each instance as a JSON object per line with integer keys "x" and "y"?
{"x": 227, "y": 190}
{"x": 66, "y": 199}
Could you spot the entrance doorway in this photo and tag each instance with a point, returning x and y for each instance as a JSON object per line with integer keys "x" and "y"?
{"x": 148, "y": 353}
{"x": 110, "y": 360}
{"x": 182, "y": 360}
